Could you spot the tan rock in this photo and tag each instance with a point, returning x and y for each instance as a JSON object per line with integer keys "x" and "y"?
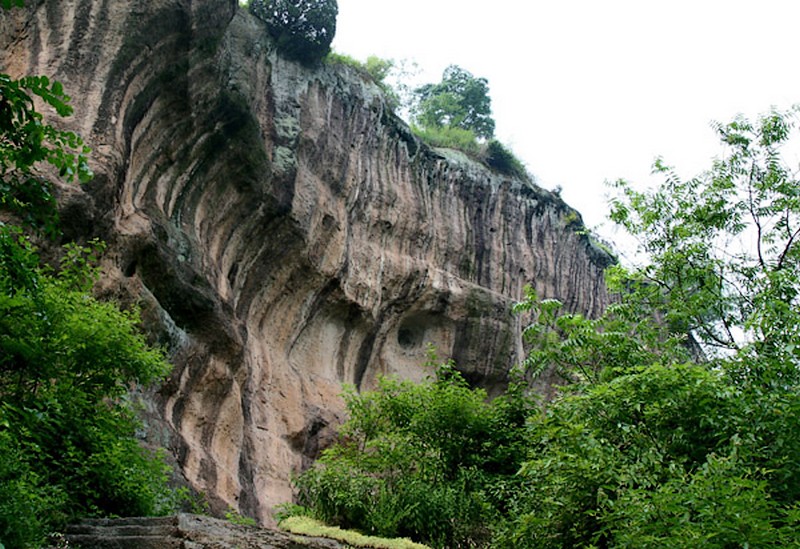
{"x": 283, "y": 230}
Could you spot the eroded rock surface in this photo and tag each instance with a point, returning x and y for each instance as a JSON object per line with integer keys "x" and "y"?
{"x": 282, "y": 230}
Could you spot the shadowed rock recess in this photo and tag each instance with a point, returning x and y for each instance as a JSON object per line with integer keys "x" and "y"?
{"x": 282, "y": 231}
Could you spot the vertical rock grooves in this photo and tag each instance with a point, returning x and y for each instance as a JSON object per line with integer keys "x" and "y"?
{"x": 282, "y": 230}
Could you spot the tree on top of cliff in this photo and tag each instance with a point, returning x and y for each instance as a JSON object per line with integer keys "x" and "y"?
{"x": 302, "y": 29}
{"x": 459, "y": 101}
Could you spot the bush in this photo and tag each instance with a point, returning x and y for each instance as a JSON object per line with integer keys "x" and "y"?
{"x": 450, "y": 138}
{"x": 426, "y": 461}
{"x": 67, "y": 427}
{"x": 27, "y": 505}
{"x": 723, "y": 503}
{"x": 633, "y": 434}
{"x": 302, "y": 29}
{"x": 500, "y": 158}
{"x": 493, "y": 154}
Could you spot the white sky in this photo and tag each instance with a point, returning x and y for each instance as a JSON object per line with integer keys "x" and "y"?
{"x": 586, "y": 91}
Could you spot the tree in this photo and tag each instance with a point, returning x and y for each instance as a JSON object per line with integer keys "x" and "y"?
{"x": 652, "y": 443}
{"x": 725, "y": 258}
{"x": 26, "y": 140}
{"x": 460, "y": 101}
{"x": 302, "y": 29}
{"x": 68, "y": 445}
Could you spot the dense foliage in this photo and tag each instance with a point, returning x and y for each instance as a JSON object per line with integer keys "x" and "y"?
{"x": 302, "y": 29}
{"x": 431, "y": 461}
{"x": 680, "y": 432}
{"x": 67, "y": 426}
{"x": 68, "y": 445}
{"x": 26, "y": 140}
{"x": 676, "y": 425}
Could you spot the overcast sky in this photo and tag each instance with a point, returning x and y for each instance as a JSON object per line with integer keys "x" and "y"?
{"x": 586, "y": 91}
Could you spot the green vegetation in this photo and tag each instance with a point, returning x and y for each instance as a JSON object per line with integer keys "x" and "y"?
{"x": 460, "y": 101}
{"x": 67, "y": 361}
{"x": 450, "y": 138}
{"x": 27, "y": 141}
{"x": 676, "y": 424}
{"x": 302, "y": 29}
{"x": 306, "y": 526}
{"x": 430, "y": 461}
{"x": 375, "y": 69}
{"x": 67, "y": 425}
{"x": 456, "y": 113}
{"x": 498, "y": 157}
{"x": 680, "y": 432}
{"x": 235, "y": 517}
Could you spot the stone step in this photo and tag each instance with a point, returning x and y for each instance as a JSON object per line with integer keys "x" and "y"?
{"x": 131, "y": 521}
{"x": 84, "y": 529}
{"x": 124, "y": 542}
{"x": 126, "y": 533}
{"x": 183, "y": 531}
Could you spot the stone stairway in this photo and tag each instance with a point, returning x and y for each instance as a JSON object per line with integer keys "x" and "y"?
{"x": 127, "y": 533}
{"x": 184, "y": 531}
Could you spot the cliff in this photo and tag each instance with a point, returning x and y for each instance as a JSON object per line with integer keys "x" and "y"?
{"x": 282, "y": 230}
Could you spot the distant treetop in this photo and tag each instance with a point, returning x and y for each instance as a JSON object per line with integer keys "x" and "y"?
{"x": 460, "y": 100}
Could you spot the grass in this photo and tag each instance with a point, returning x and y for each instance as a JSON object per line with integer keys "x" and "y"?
{"x": 307, "y": 526}
{"x": 493, "y": 154}
{"x": 449, "y": 138}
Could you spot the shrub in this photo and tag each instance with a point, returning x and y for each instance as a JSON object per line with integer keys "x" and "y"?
{"x": 302, "y": 29}
{"x": 67, "y": 427}
{"x": 449, "y": 138}
{"x": 27, "y": 505}
{"x": 500, "y": 158}
{"x": 427, "y": 461}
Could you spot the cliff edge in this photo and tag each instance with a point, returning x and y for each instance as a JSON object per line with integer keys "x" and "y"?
{"x": 282, "y": 230}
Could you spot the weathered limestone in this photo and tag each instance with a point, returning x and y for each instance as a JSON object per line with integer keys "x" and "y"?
{"x": 282, "y": 230}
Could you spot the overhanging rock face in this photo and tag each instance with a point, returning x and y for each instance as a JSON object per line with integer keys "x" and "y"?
{"x": 283, "y": 231}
